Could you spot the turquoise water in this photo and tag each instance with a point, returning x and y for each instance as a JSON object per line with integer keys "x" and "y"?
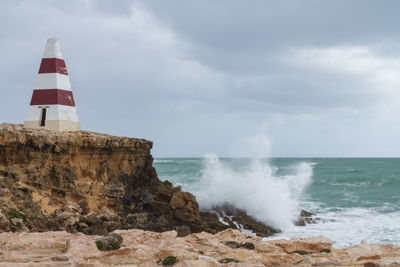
{"x": 358, "y": 197}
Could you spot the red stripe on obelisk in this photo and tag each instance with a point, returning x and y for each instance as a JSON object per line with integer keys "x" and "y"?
{"x": 52, "y": 97}
{"x": 53, "y": 65}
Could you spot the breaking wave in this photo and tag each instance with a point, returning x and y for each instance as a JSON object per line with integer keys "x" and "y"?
{"x": 257, "y": 189}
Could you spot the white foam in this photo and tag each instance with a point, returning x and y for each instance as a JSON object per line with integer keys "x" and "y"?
{"x": 269, "y": 198}
{"x": 351, "y": 226}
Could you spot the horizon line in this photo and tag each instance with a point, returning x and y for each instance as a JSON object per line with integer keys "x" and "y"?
{"x": 281, "y": 157}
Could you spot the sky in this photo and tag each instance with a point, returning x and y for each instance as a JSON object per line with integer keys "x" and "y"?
{"x": 316, "y": 78}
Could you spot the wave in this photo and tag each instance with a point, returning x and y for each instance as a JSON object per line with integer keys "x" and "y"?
{"x": 269, "y": 198}
{"x": 351, "y": 226}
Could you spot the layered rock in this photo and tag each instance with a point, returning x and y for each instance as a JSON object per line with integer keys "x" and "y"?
{"x": 145, "y": 248}
{"x": 92, "y": 183}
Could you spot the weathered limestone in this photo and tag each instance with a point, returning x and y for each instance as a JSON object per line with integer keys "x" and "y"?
{"x": 145, "y": 248}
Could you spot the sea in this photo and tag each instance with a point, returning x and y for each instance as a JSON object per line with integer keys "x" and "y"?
{"x": 358, "y": 199}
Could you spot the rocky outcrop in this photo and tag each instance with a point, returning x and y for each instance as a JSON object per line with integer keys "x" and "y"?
{"x": 145, "y": 248}
{"x": 237, "y": 218}
{"x": 306, "y": 217}
{"x": 91, "y": 183}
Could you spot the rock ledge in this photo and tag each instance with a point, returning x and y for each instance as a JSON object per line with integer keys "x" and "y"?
{"x": 146, "y": 248}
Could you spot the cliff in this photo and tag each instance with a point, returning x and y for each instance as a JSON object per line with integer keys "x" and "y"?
{"x": 92, "y": 183}
{"x": 226, "y": 248}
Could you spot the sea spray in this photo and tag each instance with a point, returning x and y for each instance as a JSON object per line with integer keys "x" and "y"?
{"x": 257, "y": 189}
{"x": 357, "y": 198}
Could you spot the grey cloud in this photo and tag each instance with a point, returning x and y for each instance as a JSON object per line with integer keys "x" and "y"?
{"x": 200, "y": 76}
{"x": 239, "y": 35}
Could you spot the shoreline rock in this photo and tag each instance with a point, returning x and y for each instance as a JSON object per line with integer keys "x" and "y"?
{"x": 146, "y": 248}
{"x": 239, "y": 219}
{"x": 306, "y": 217}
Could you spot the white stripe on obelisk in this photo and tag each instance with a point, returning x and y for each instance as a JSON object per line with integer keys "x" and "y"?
{"x": 52, "y": 81}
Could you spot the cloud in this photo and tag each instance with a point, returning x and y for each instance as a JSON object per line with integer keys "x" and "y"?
{"x": 202, "y": 77}
{"x": 375, "y": 76}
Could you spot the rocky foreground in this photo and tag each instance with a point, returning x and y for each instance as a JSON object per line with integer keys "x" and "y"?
{"x": 146, "y": 248}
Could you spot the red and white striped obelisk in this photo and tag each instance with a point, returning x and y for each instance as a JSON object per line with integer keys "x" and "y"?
{"x": 52, "y": 106}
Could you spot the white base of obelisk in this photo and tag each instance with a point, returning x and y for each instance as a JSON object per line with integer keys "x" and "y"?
{"x": 54, "y": 125}
{"x": 58, "y": 118}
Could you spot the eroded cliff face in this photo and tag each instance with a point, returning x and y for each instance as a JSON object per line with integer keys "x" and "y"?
{"x": 93, "y": 170}
{"x": 96, "y": 183}
{"x": 89, "y": 182}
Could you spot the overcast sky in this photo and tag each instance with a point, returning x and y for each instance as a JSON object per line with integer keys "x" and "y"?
{"x": 320, "y": 78}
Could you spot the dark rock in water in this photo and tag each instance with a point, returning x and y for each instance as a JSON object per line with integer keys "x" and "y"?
{"x": 304, "y": 213}
{"x": 304, "y": 218}
{"x": 308, "y": 218}
{"x": 239, "y": 219}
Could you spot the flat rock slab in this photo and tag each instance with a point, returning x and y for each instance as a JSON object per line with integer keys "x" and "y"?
{"x": 146, "y": 248}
